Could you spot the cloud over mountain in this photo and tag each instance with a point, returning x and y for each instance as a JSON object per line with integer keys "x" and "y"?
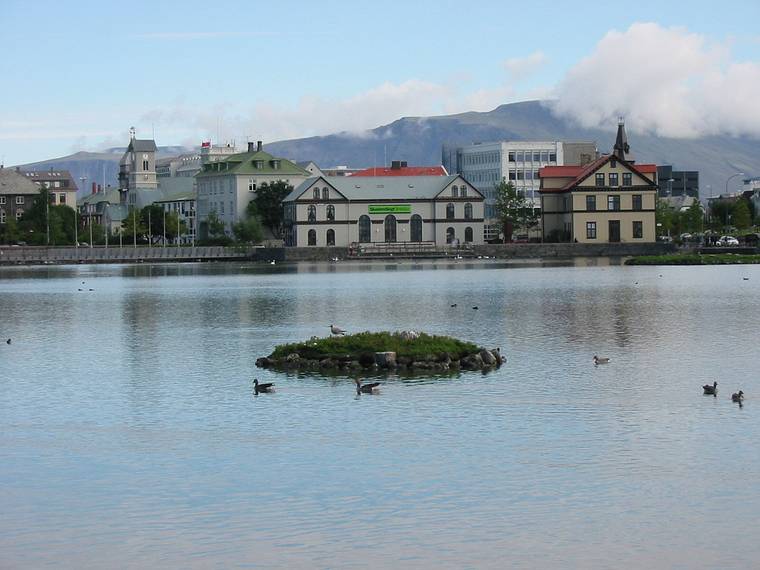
{"x": 665, "y": 81}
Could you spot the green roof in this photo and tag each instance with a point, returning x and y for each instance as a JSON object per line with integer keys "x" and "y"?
{"x": 252, "y": 163}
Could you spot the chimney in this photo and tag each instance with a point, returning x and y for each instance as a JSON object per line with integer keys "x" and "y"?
{"x": 403, "y": 164}
{"x": 94, "y": 187}
{"x": 250, "y": 147}
{"x": 259, "y": 146}
{"x": 395, "y": 165}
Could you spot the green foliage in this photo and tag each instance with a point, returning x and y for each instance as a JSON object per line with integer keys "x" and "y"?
{"x": 132, "y": 225}
{"x": 33, "y": 226}
{"x": 742, "y": 217}
{"x": 721, "y": 212}
{"x": 9, "y": 233}
{"x": 248, "y": 231}
{"x": 152, "y": 218}
{"x": 512, "y": 209}
{"x": 692, "y": 220}
{"x": 268, "y": 204}
{"x": 215, "y": 231}
{"x": 252, "y": 210}
{"x": 368, "y": 342}
{"x": 666, "y": 218}
{"x": 694, "y": 259}
{"x": 173, "y": 222}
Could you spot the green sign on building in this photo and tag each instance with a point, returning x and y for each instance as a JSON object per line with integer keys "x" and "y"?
{"x": 390, "y": 209}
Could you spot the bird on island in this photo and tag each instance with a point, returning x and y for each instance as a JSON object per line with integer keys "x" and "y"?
{"x": 737, "y": 397}
{"x": 373, "y": 388}
{"x": 454, "y": 305}
{"x": 262, "y": 388}
{"x": 90, "y": 289}
{"x": 600, "y": 360}
{"x": 475, "y": 308}
{"x": 711, "y": 390}
{"x": 80, "y": 289}
{"x": 745, "y": 278}
{"x": 336, "y": 330}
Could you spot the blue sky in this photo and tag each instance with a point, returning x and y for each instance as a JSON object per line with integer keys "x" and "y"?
{"x": 77, "y": 75}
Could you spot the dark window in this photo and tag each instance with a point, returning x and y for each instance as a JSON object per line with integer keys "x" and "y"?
{"x": 468, "y": 211}
{"x": 463, "y": 192}
{"x": 330, "y": 237}
{"x": 330, "y": 211}
{"x": 613, "y": 203}
{"x": 591, "y": 203}
{"x": 613, "y": 163}
{"x": 450, "y": 235}
{"x": 520, "y": 156}
{"x": 416, "y": 228}
{"x": 316, "y": 193}
{"x": 325, "y": 194}
{"x": 520, "y": 174}
{"x": 145, "y": 165}
{"x": 636, "y": 200}
{"x": 390, "y": 228}
{"x": 591, "y": 230}
{"x": 312, "y": 213}
{"x": 455, "y": 191}
{"x": 512, "y": 175}
{"x": 552, "y": 157}
{"x": 365, "y": 229}
{"x": 312, "y": 237}
{"x": 600, "y": 179}
{"x": 613, "y": 179}
{"x": 638, "y": 229}
{"x": 449, "y": 211}
{"x": 536, "y": 157}
{"x": 627, "y": 179}
{"x": 511, "y": 156}
{"x": 468, "y": 235}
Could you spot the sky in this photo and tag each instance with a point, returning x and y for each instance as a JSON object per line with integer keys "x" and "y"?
{"x": 77, "y": 75}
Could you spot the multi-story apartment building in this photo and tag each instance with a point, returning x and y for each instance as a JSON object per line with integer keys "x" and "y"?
{"x": 227, "y": 185}
{"x": 612, "y": 199}
{"x": 486, "y": 164}
{"x": 17, "y": 193}
{"x": 60, "y": 183}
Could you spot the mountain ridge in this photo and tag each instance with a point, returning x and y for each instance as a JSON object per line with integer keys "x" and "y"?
{"x": 418, "y": 140}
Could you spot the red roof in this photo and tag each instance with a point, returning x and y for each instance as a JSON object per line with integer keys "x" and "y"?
{"x": 403, "y": 171}
{"x": 579, "y": 173}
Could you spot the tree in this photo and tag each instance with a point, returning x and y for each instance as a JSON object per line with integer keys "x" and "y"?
{"x": 153, "y": 220}
{"x": 9, "y": 232}
{"x": 721, "y": 212}
{"x": 742, "y": 217}
{"x": 215, "y": 234}
{"x": 512, "y": 209}
{"x": 132, "y": 226}
{"x": 665, "y": 217}
{"x": 692, "y": 219}
{"x": 268, "y": 202}
{"x": 248, "y": 231}
{"x": 172, "y": 223}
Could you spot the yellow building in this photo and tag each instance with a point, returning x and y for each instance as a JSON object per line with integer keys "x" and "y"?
{"x": 609, "y": 200}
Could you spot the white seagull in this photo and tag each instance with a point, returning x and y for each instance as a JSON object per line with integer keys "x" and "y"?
{"x": 336, "y": 330}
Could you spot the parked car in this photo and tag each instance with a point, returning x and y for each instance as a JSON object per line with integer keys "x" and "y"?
{"x": 727, "y": 241}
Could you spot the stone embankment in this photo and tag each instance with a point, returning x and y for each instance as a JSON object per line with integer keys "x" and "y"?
{"x": 482, "y": 359}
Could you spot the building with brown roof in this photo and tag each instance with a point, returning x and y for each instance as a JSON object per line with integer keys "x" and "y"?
{"x": 612, "y": 199}
{"x": 60, "y": 183}
{"x": 17, "y": 193}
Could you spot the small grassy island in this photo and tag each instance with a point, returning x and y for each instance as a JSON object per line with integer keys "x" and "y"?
{"x": 405, "y": 351}
{"x": 694, "y": 259}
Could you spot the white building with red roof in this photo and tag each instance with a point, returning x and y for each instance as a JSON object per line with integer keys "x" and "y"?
{"x": 610, "y": 200}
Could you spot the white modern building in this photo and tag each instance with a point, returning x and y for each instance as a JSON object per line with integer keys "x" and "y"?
{"x": 341, "y": 211}
{"x": 518, "y": 162}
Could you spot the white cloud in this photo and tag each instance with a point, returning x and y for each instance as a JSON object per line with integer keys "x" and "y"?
{"x": 520, "y": 67}
{"x": 666, "y": 81}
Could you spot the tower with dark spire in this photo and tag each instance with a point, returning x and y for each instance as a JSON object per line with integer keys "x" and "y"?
{"x": 621, "y": 149}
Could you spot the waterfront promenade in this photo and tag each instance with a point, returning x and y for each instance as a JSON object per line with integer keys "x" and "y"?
{"x": 30, "y": 255}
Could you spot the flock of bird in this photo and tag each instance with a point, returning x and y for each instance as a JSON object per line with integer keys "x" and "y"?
{"x": 268, "y": 388}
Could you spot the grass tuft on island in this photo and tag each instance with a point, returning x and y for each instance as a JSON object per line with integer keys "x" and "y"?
{"x": 355, "y": 345}
{"x": 694, "y": 259}
{"x": 406, "y": 351}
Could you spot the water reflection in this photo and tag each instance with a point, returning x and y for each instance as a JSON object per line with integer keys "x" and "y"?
{"x": 129, "y": 429}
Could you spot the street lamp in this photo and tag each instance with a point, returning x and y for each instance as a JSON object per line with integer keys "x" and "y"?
{"x": 732, "y": 176}
{"x": 76, "y": 208}
{"x": 670, "y": 186}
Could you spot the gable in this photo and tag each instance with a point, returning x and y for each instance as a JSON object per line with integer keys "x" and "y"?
{"x": 447, "y": 192}
{"x": 619, "y": 168}
{"x": 304, "y": 192}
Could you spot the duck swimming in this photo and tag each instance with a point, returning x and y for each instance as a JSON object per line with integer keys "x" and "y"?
{"x": 711, "y": 390}
{"x": 373, "y": 388}
{"x": 737, "y": 397}
{"x": 600, "y": 360}
{"x": 262, "y": 388}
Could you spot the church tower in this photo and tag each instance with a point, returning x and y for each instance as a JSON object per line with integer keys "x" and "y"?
{"x": 621, "y": 149}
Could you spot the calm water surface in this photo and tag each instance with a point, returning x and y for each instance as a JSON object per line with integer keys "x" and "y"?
{"x": 130, "y": 438}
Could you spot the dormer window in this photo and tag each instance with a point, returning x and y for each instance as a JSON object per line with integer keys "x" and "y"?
{"x": 258, "y": 164}
{"x": 275, "y": 164}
